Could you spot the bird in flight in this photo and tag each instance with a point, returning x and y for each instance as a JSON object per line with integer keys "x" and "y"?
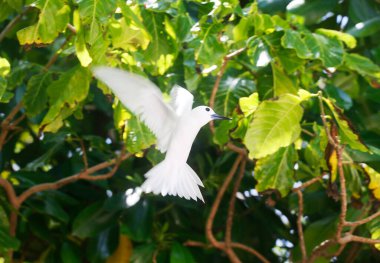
{"x": 175, "y": 125}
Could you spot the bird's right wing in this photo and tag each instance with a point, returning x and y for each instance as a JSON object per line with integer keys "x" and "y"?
{"x": 181, "y": 100}
{"x": 144, "y": 99}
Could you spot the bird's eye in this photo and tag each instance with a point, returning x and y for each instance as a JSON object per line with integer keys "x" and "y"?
{"x": 207, "y": 109}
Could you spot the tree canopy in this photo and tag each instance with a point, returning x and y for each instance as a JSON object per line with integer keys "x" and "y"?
{"x": 295, "y": 176}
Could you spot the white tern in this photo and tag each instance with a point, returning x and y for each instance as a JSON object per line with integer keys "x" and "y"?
{"x": 175, "y": 125}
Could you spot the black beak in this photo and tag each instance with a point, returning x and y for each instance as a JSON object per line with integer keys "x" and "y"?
{"x": 219, "y": 117}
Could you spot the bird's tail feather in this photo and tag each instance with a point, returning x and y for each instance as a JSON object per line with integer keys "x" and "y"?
{"x": 167, "y": 178}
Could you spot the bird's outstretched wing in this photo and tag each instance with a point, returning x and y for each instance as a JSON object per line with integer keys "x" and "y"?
{"x": 181, "y": 100}
{"x": 144, "y": 99}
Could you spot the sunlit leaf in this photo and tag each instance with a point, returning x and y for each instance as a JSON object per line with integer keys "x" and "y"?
{"x": 282, "y": 82}
{"x": 275, "y": 124}
{"x": 80, "y": 44}
{"x": 5, "y": 67}
{"x": 276, "y": 171}
{"x": 348, "y": 39}
{"x": 53, "y": 18}
{"x": 348, "y": 135}
{"x": 249, "y": 104}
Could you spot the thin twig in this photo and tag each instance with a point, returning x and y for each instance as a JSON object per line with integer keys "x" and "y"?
{"x": 353, "y": 238}
{"x": 363, "y": 221}
{"x": 299, "y": 226}
{"x": 12, "y": 23}
{"x": 84, "y": 154}
{"x": 215, "y": 205}
{"x": 6, "y": 124}
{"x": 231, "y": 208}
{"x": 308, "y": 183}
{"x": 219, "y": 78}
{"x": 343, "y": 194}
{"x": 85, "y": 175}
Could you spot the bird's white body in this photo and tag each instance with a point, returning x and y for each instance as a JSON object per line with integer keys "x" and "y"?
{"x": 175, "y": 125}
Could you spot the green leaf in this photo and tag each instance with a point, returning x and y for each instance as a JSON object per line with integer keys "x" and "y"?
{"x": 290, "y": 61}
{"x": 143, "y": 253}
{"x": 70, "y": 253}
{"x": 276, "y": 171}
{"x": 374, "y": 180}
{"x": 53, "y": 19}
{"x": 162, "y": 49}
{"x": 210, "y": 50}
{"x": 258, "y": 53}
{"x": 293, "y": 39}
{"x": 36, "y": 97}
{"x": 346, "y": 131}
{"x": 137, "y": 223}
{"x": 374, "y": 229}
{"x": 93, "y": 14}
{"x": 348, "y": 39}
{"x": 328, "y": 50}
{"x": 6, "y": 241}
{"x": 282, "y": 82}
{"x": 3, "y": 89}
{"x": 64, "y": 96}
{"x": 263, "y": 24}
{"x": 80, "y": 44}
{"x": 248, "y": 105}
{"x": 362, "y": 65}
{"x": 100, "y": 220}
{"x": 180, "y": 253}
{"x": 275, "y": 124}
{"x": 365, "y": 28}
{"x": 5, "y": 67}
{"x": 312, "y": 11}
{"x": 139, "y": 137}
{"x": 128, "y": 37}
{"x": 6, "y": 10}
{"x": 222, "y": 131}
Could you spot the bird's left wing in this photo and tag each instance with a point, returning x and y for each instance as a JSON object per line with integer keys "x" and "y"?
{"x": 144, "y": 99}
{"x": 181, "y": 100}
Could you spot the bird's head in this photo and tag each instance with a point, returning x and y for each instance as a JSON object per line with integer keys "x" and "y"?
{"x": 204, "y": 114}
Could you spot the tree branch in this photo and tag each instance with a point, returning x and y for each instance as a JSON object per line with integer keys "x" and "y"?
{"x": 363, "y": 221}
{"x": 7, "y": 125}
{"x": 299, "y": 226}
{"x": 12, "y": 23}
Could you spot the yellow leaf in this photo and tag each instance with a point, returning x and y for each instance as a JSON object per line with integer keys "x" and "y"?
{"x": 374, "y": 180}
{"x": 333, "y": 163}
{"x": 123, "y": 252}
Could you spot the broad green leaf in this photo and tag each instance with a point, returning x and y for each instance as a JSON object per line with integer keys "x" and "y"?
{"x": 64, "y": 96}
{"x": 98, "y": 52}
{"x": 53, "y": 19}
{"x": 139, "y": 137}
{"x": 328, "y": 50}
{"x": 289, "y": 60}
{"x": 222, "y": 131}
{"x": 365, "y": 28}
{"x": 346, "y": 132}
{"x": 36, "y": 97}
{"x": 312, "y": 11}
{"x": 348, "y": 39}
{"x": 248, "y": 105}
{"x": 93, "y": 14}
{"x": 374, "y": 180}
{"x": 100, "y": 220}
{"x": 15, "y": 4}
{"x": 179, "y": 253}
{"x": 210, "y": 51}
{"x": 127, "y": 37}
{"x": 275, "y": 124}
{"x": 162, "y": 49}
{"x": 362, "y": 65}
{"x": 258, "y": 51}
{"x": 137, "y": 223}
{"x": 80, "y": 44}
{"x": 6, "y": 10}
{"x": 5, "y": 67}
{"x": 263, "y": 24}
{"x": 282, "y": 82}
{"x": 231, "y": 89}
{"x": 3, "y": 89}
{"x": 293, "y": 39}
{"x": 276, "y": 171}
{"x": 243, "y": 29}
{"x": 70, "y": 253}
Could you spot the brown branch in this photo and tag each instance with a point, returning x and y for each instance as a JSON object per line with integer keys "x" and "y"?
{"x": 231, "y": 208}
{"x": 219, "y": 76}
{"x": 215, "y": 205}
{"x": 343, "y": 194}
{"x": 362, "y": 221}
{"x": 7, "y": 125}
{"x": 10, "y": 191}
{"x": 299, "y": 226}
{"x": 353, "y": 238}
{"x": 54, "y": 58}
{"x": 248, "y": 249}
{"x": 85, "y": 175}
{"x": 308, "y": 183}
{"x": 320, "y": 250}
{"x": 84, "y": 154}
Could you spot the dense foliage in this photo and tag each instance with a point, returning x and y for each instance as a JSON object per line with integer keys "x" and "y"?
{"x": 294, "y": 176}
